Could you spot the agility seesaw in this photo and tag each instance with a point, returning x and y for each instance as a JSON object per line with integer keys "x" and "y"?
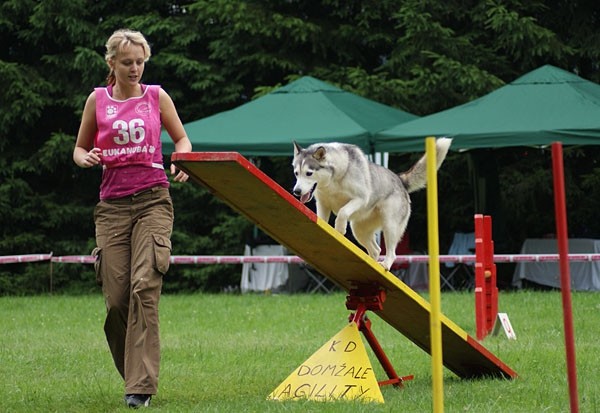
{"x": 235, "y": 180}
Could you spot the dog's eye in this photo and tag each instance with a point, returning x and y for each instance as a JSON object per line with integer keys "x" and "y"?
{"x": 309, "y": 173}
{"x": 295, "y": 173}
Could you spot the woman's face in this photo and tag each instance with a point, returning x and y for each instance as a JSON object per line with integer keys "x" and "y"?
{"x": 128, "y": 65}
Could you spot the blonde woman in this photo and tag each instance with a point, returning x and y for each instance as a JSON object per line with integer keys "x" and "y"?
{"x": 120, "y": 131}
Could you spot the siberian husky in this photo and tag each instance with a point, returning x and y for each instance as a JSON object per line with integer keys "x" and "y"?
{"x": 369, "y": 196}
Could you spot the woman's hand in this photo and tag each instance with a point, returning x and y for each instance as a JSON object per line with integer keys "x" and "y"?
{"x": 180, "y": 176}
{"x": 90, "y": 158}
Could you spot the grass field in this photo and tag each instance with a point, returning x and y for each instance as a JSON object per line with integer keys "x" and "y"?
{"x": 226, "y": 353}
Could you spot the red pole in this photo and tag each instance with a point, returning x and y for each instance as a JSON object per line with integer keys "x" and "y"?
{"x": 486, "y": 290}
{"x": 490, "y": 276}
{"x": 560, "y": 210}
{"x": 480, "y": 287}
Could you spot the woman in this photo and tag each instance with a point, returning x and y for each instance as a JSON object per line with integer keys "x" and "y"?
{"x": 120, "y": 130}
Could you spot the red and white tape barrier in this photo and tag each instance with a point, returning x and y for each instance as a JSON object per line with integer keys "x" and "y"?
{"x": 292, "y": 259}
{"x": 76, "y": 259}
{"x": 11, "y": 259}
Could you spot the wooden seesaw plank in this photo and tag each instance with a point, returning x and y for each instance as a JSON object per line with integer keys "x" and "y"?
{"x": 235, "y": 180}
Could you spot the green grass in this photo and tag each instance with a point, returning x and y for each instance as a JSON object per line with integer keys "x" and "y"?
{"x": 226, "y": 353}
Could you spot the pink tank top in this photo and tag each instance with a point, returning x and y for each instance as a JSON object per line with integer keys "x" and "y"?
{"x": 129, "y": 139}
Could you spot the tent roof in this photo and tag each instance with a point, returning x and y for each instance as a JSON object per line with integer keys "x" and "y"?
{"x": 542, "y": 106}
{"x": 307, "y": 110}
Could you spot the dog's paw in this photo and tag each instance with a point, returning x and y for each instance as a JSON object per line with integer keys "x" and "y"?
{"x": 386, "y": 265}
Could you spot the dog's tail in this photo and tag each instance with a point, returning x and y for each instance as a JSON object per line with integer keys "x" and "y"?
{"x": 416, "y": 177}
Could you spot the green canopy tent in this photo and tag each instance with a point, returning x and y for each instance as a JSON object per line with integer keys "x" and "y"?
{"x": 307, "y": 110}
{"x": 543, "y": 106}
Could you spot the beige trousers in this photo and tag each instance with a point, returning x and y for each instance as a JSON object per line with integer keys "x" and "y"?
{"x": 133, "y": 251}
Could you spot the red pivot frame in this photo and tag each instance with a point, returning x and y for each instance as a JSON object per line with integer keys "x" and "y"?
{"x": 371, "y": 297}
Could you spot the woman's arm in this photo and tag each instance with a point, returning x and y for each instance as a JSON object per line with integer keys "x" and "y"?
{"x": 172, "y": 123}
{"x": 84, "y": 154}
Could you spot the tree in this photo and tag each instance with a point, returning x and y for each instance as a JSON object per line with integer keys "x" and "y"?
{"x": 420, "y": 56}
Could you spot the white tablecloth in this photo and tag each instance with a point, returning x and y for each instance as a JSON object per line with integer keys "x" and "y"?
{"x": 585, "y": 276}
{"x": 417, "y": 276}
{"x": 264, "y": 277}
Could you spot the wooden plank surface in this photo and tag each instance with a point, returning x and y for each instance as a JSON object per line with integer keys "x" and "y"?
{"x": 236, "y": 181}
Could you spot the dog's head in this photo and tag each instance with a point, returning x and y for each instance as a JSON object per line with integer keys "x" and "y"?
{"x": 308, "y": 169}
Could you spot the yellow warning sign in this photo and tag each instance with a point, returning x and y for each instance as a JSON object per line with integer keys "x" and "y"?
{"x": 339, "y": 370}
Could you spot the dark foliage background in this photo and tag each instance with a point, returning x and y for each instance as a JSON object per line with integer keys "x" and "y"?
{"x": 420, "y": 56}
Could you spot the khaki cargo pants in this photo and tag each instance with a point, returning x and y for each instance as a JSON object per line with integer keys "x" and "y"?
{"x": 133, "y": 251}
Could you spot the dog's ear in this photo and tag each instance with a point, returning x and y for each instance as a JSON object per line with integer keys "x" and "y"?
{"x": 319, "y": 154}
{"x": 297, "y": 148}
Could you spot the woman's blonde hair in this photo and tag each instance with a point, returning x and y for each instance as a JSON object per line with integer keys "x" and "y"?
{"x": 117, "y": 41}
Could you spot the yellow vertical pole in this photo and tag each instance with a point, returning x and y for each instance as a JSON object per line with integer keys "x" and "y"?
{"x": 434, "y": 278}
